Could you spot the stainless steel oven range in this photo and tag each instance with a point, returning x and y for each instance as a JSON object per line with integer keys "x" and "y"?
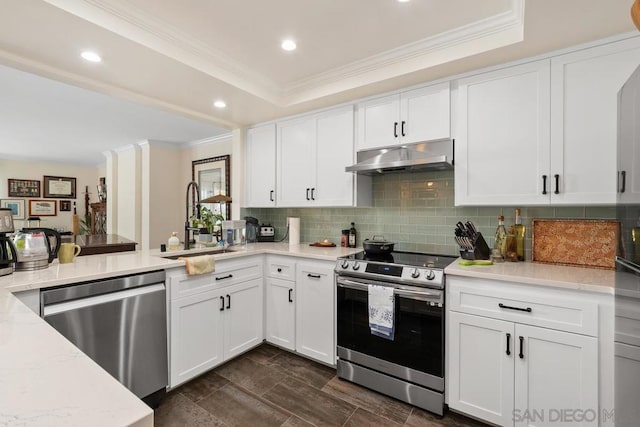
{"x": 409, "y": 364}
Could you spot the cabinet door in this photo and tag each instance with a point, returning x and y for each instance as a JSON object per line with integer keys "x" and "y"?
{"x": 315, "y": 312}
{"x": 480, "y": 377}
{"x": 425, "y": 114}
{"x": 261, "y": 166}
{"x": 584, "y": 101}
{"x": 629, "y": 141}
{"x": 334, "y": 152}
{"x": 502, "y": 136}
{"x": 296, "y": 162}
{"x": 196, "y": 335}
{"x": 242, "y": 317}
{"x": 281, "y": 312}
{"x": 557, "y": 371}
{"x": 379, "y": 122}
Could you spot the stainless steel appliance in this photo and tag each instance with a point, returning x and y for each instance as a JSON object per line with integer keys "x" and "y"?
{"x": 8, "y": 253}
{"x": 253, "y": 229}
{"x": 267, "y": 233}
{"x": 422, "y": 156}
{"x": 34, "y": 248}
{"x": 121, "y": 323}
{"x": 409, "y": 367}
{"x": 627, "y": 287}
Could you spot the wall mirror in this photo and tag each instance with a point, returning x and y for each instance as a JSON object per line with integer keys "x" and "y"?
{"x": 213, "y": 176}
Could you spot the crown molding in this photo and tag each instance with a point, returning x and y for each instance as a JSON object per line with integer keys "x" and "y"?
{"x": 125, "y": 19}
{"x": 175, "y": 146}
{"x": 481, "y": 36}
{"x": 210, "y": 140}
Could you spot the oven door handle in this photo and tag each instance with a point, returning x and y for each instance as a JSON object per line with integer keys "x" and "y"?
{"x": 435, "y": 297}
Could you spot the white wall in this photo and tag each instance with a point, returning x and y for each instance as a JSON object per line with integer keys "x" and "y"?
{"x": 85, "y": 176}
{"x": 129, "y": 200}
{"x": 162, "y": 194}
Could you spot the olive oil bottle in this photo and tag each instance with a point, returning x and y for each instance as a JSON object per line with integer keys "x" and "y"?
{"x": 519, "y": 231}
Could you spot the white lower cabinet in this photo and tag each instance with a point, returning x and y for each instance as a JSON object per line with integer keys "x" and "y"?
{"x": 281, "y": 312}
{"x": 213, "y": 317}
{"x": 315, "y": 311}
{"x": 514, "y": 374}
{"x": 508, "y": 362}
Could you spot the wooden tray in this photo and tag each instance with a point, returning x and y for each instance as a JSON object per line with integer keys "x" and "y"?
{"x": 323, "y": 244}
{"x": 576, "y": 242}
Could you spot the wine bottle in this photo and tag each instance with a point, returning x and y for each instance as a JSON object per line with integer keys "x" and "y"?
{"x": 352, "y": 235}
{"x": 519, "y": 233}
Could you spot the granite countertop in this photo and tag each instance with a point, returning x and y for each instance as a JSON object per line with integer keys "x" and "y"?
{"x": 533, "y": 273}
{"x": 45, "y": 380}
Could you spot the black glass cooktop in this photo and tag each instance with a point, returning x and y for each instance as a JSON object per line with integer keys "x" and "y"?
{"x": 413, "y": 259}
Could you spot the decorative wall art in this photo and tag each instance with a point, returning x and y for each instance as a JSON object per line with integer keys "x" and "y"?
{"x": 16, "y": 206}
{"x": 23, "y": 187}
{"x": 59, "y": 187}
{"x": 42, "y": 208}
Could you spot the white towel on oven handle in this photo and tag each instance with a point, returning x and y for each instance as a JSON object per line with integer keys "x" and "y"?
{"x": 381, "y": 307}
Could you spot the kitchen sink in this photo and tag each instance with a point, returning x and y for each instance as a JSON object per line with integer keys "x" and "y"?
{"x": 212, "y": 251}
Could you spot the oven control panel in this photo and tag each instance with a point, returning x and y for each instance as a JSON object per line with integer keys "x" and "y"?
{"x": 416, "y": 275}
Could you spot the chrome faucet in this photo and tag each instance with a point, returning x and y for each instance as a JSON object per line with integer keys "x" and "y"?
{"x": 195, "y": 207}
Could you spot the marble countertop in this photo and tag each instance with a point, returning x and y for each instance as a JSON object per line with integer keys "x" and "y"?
{"x": 533, "y": 273}
{"x": 46, "y": 381}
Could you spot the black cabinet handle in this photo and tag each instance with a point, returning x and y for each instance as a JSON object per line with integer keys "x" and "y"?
{"x": 521, "y": 355}
{"x": 290, "y": 292}
{"x": 221, "y": 303}
{"x": 395, "y": 129}
{"x": 224, "y": 277}
{"x": 308, "y": 194}
{"x": 312, "y": 196}
{"x": 557, "y": 177}
{"x": 508, "y": 344}
{"x": 271, "y": 195}
{"x": 228, "y": 301}
{"x": 279, "y": 270}
{"x": 544, "y": 184}
{"x": 624, "y": 181}
{"x": 528, "y": 309}
{"x": 402, "y": 128}
{"x": 313, "y": 276}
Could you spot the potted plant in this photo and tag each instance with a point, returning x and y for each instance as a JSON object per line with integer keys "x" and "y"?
{"x": 208, "y": 221}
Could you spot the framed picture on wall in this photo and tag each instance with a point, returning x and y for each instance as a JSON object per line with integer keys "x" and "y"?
{"x": 16, "y": 206}
{"x": 65, "y": 205}
{"x": 23, "y": 187}
{"x": 59, "y": 187}
{"x": 42, "y": 208}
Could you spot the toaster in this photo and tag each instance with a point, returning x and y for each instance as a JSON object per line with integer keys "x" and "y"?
{"x": 266, "y": 233}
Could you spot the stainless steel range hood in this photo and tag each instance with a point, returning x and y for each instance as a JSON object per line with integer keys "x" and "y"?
{"x": 422, "y": 156}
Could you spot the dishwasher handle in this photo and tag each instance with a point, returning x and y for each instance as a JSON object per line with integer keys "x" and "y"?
{"x": 51, "y": 309}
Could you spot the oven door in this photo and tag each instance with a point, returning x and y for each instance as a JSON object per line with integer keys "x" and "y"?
{"x": 418, "y": 343}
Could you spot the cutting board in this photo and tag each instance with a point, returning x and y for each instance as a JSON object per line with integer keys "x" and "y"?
{"x": 577, "y": 242}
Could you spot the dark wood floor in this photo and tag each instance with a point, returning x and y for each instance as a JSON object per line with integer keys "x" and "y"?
{"x": 271, "y": 387}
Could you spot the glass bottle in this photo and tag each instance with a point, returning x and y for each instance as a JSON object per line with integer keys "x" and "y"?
{"x": 344, "y": 239}
{"x": 352, "y": 235}
{"x": 519, "y": 231}
{"x": 501, "y": 237}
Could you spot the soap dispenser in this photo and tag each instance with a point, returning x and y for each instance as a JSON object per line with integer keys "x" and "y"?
{"x": 173, "y": 244}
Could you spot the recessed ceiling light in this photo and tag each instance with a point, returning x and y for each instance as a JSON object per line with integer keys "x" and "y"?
{"x": 288, "y": 45}
{"x": 91, "y": 56}
{"x": 219, "y": 104}
{"x": 403, "y": 1}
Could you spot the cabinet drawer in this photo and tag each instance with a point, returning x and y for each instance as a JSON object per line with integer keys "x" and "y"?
{"x": 545, "y": 307}
{"x": 226, "y": 274}
{"x": 281, "y": 268}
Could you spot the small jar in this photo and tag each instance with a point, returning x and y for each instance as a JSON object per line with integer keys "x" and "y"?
{"x": 344, "y": 239}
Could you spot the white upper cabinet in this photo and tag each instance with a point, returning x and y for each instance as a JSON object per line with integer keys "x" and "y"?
{"x": 312, "y": 154}
{"x": 412, "y": 116}
{"x": 502, "y": 136}
{"x": 628, "y": 146}
{"x": 584, "y": 108}
{"x": 544, "y": 132}
{"x": 261, "y": 166}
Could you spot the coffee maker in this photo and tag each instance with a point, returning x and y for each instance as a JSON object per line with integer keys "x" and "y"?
{"x": 8, "y": 253}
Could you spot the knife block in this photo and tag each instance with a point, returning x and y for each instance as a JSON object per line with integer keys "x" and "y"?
{"x": 480, "y": 249}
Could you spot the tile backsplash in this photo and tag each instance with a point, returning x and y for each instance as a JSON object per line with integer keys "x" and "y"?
{"x": 415, "y": 210}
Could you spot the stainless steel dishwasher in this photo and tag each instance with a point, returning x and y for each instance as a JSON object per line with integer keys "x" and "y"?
{"x": 120, "y": 323}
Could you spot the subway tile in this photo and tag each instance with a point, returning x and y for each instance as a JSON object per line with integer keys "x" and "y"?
{"x": 600, "y": 212}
